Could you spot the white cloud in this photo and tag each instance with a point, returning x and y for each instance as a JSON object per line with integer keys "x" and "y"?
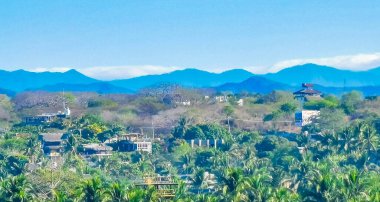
{"x": 122, "y": 72}
{"x": 349, "y": 62}
{"x": 52, "y": 69}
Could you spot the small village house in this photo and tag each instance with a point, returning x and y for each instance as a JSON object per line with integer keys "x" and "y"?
{"x": 132, "y": 142}
{"x": 95, "y": 149}
{"x": 42, "y": 118}
{"x": 305, "y": 117}
{"x": 221, "y": 98}
{"x": 52, "y": 143}
{"x": 47, "y": 117}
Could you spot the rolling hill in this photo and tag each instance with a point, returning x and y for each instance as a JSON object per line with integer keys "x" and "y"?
{"x": 98, "y": 87}
{"x": 254, "y": 84}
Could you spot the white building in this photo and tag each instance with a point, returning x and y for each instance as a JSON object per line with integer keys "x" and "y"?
{"x": 222, "y": 98}
{"x": 216, "y": 143}
{"x": 184, "y": 103}
{"x": 143, "y": 145}
{"x": 132, "y": 142}
{"x": 240, "y": 102}
{"x": 305, "y": 117}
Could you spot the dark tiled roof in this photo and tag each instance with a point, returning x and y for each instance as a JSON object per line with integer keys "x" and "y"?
{"x": 54, "y": 147}
{"x": 307, "y": 92}
{"x": 52, "y": 137}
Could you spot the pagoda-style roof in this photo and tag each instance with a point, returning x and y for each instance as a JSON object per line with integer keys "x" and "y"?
{"x": 51, "y": 137}
{"x": 307, "y": 91}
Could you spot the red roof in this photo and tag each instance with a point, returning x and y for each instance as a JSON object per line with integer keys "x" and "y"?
{"x": 307, "y": 85}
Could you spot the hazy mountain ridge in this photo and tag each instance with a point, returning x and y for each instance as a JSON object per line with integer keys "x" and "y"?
{"x": 325, "y": 76}
{"x": 21, "y": 80}
{"x": 255, "y": 84}
{"x": 186, "y": 77}
{"x": 327, "y": 79}
{"x": 99, "y": 87}
{"x": 259, "y": 84}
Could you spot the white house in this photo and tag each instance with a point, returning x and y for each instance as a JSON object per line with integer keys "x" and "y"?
{"x": 240, "y": 102}
{"x": 222, "y": 98}
{"x": 305, "y": 117}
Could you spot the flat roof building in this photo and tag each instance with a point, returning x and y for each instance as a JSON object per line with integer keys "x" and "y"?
{"x": 305, "y": 117}
{"x": 131, "y": 142}
{"x": 95, "y": 149}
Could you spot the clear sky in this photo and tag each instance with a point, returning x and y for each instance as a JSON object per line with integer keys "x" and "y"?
{"x": 111, "y": 39}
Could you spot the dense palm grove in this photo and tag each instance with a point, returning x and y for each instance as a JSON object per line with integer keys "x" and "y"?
{"x": 336, "y": 158}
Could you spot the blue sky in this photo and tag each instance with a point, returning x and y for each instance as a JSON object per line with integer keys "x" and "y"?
{"x": 114, "y": 39}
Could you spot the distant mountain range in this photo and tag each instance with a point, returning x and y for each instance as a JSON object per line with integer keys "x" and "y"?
{"x": 255, "y": 84}
{"x": 327, "y": 79}
{"x": 187, "y": 77}
{"x": 21, "y": 80}
{"x": 325, "y": 76}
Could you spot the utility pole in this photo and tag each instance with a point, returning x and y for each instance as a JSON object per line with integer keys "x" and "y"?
{"x": 229, "y": 126}
{"x": 153, "y": 129}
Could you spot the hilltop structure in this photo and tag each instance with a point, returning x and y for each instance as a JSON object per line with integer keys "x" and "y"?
{"x": 47, "y": 117}
{"x": 305, "y": 117}
{"x": 307, "y": 93}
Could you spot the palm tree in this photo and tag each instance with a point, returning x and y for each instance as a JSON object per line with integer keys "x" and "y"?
{"x": 59, "y": 196}
{"x": 369, "y": 140}
{"x": 71, "y": 144}
{"x": 3, "y": 166}
{"x": 136, "y": 195}
{"x": 348, "y": 139}
{"x": 231, "y": 180}
{"x": 258, "y": 187}
{"x": 180, "y": 191}
{"x": 353, "y": 184}
{"x": 199, "y": 178}
{"x": 117, "y": 193}
{"x": 284, "y": 195}
{"x": 181, "y": 128}
{"x": 16, "y": 188}
{"x": 33, "y": 148}
{"x": 151, "y": 195}
{"x": 206, "y": 198}
{"x": 321, "y": 184}
{"x": 91, "y": 190}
